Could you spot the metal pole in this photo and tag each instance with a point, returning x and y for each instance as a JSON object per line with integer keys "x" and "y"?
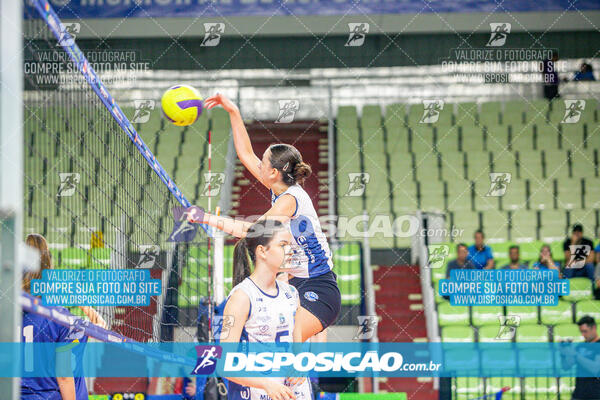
{"x": 369, "y": 291}
{"x": 331, "y": 152}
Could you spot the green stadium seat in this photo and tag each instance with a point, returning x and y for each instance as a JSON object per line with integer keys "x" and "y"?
{"x": 566, "y": 332}
{"x": 427, "y": 166}
{"x": 546, "y": 138}
{"x": 453, "y": 165}
{"x": 536, "y": 112}
{"x": 532, "y": 333}
{"x": 505, "y": 162}
{"x": 471, "y": 138}
{"x": 559, "y": 314}
{"x": 397, "y": 141}
{"x": 422, "y": 139}
{"x": 459, "y": 195}
{"x": 74, "y": 258}
{"x": 452, "y": 315}
{"x": 592, "y": 138}
{"x": 458, "y": 334}
{"x": 541, "y": 194}
{"x": 521, "y": 137}
{"x": 347, "y": 115}
{"x": 466, "y": 221}
{"x": 489, "y": 334}
{"x": 486, "y": 315}
{"x": 583, "y": 164}
{"x": 530, "y": 165}
{"x": 556, "y": 164}
{"x": 99, "y": 258}
{"x": 580, "y": 289}
{"x": 553, "y": 225}
{"x": 431, "y": 195}
{"x": 478, "y": 165}
{"x": 347, "y": 260}
{"x": 490, "y": 113}
{"x": 515, "y": 196}
{"x": 569, "y": 194}
{"x": 540, "y": 388}
{"x": 415, "y": 114}
{"x": 527, "y": 314}
{"x": 591, "y": 196}
{"x": 533, "y": 361}
{"x": 571, "y": 135}
{"x": 566, "y": 386}
{"x": 447, "y": 139}
{"x": 468, "y": 387}
{"x": 395, "y": 116}
{"x": 405, "y": 198}
{"x": 495, "y": 225}
{"x": 482, "y": 202}
{"x": 513, "y": 113}
{"x": 496, "y": 138}
{"x": 466, "y": 114}
{"x": 587, "y": 307}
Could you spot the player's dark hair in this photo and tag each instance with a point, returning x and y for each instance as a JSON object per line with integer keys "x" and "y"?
{"x": 514, "y": 246}
{"x": 479, "y": 231}
{"x": 458, "y": 246}
{"x": 578, "y": 228}
{"x": 587, "y": 320}
{"x": 288, "y": 160}
{"x": 259, "y": 234}
{"x": 38, "y": 242}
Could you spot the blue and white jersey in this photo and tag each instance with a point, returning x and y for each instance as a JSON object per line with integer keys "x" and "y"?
{"x": 313, "y": 258}
{"x": 270, "y": 319}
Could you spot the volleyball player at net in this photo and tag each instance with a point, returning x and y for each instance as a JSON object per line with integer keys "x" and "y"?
{"x": 282, "y": 171}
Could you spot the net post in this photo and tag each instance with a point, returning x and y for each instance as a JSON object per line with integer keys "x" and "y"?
{"x": 11, "y": 178}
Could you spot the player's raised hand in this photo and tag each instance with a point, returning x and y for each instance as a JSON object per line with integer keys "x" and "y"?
{"x": 222, "y": 100}
{"x": 295, "y": 380}
{"x": 277, "y": 391}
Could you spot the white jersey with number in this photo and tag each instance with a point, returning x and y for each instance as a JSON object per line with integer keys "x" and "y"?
{"x": 313, "y": 257}
{"x": 270, "y": 319}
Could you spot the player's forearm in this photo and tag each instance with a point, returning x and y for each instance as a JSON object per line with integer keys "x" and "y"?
{"x": 94, "y": 316}
{"x": 241, "y": 139}
{"x": 228, "y": 225}
{"x": 66, "y": 386}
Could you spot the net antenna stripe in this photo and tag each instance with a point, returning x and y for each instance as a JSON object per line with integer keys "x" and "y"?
{"x": 67, "y": 42}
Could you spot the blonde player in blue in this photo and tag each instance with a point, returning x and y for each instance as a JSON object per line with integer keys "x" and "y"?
{"x": 263, "y": 309}
{"x": 282, "y": 171}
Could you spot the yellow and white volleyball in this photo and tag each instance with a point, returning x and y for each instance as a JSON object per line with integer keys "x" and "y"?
{"x": 182, "y": 105}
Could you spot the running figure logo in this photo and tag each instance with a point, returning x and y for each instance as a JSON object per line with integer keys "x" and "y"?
{"x": 142, "y": 111}
{"x": 498, "y": 183}
{"x": 508, "y": 326}
{"x": 207, "y": 359}
{"x": 358, "y": 33}
{"x": 212, "y": 35}
{"x": 573, "y": 111}
{"x": 287, "y": 111}
{"x": 357, "y": 183}
{"x": 68, "y": 33}
{"x": 579, "y": 254}
{"x": 500, "y": 31}
{"x": 366, "y": 327}
{"x": 212, "y": 183}
{"x": 68, "y": 183}
{"x": 183, "y": 230}
{"x": 437, "y": 255}
{"x": 431, "y": 112}
{"x": 148, "y": 256}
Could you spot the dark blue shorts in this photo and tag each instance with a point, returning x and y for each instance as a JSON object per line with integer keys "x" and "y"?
{"x": 320, "y": 295}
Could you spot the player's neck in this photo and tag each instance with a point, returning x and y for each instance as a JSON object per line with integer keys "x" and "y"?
{"x": 265, "y": 280}
{"x": 279, "y": 187}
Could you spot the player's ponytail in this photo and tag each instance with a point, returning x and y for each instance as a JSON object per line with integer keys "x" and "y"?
{"x": 38, "y": 242}
{"x": 259, "y": 234}
{"x": 288, "y": 160}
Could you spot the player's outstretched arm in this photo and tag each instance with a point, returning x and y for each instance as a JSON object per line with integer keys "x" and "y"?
{"x": 66, "y": 385}
{"x": 241, "y": 139}
{"x": 93, "y": 315}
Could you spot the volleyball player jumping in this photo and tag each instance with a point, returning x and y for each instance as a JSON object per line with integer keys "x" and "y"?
{"x": 282, "y": 171}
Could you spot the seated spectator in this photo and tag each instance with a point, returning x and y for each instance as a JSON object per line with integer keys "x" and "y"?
{"x": 545, "y": 261}
{"x": 587, "y": 251}
{"x": 514, "y": 256}
{"x": 480, "y": 254}
{"x": 461, "y": 261}
{"x": 585, "y": 73}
